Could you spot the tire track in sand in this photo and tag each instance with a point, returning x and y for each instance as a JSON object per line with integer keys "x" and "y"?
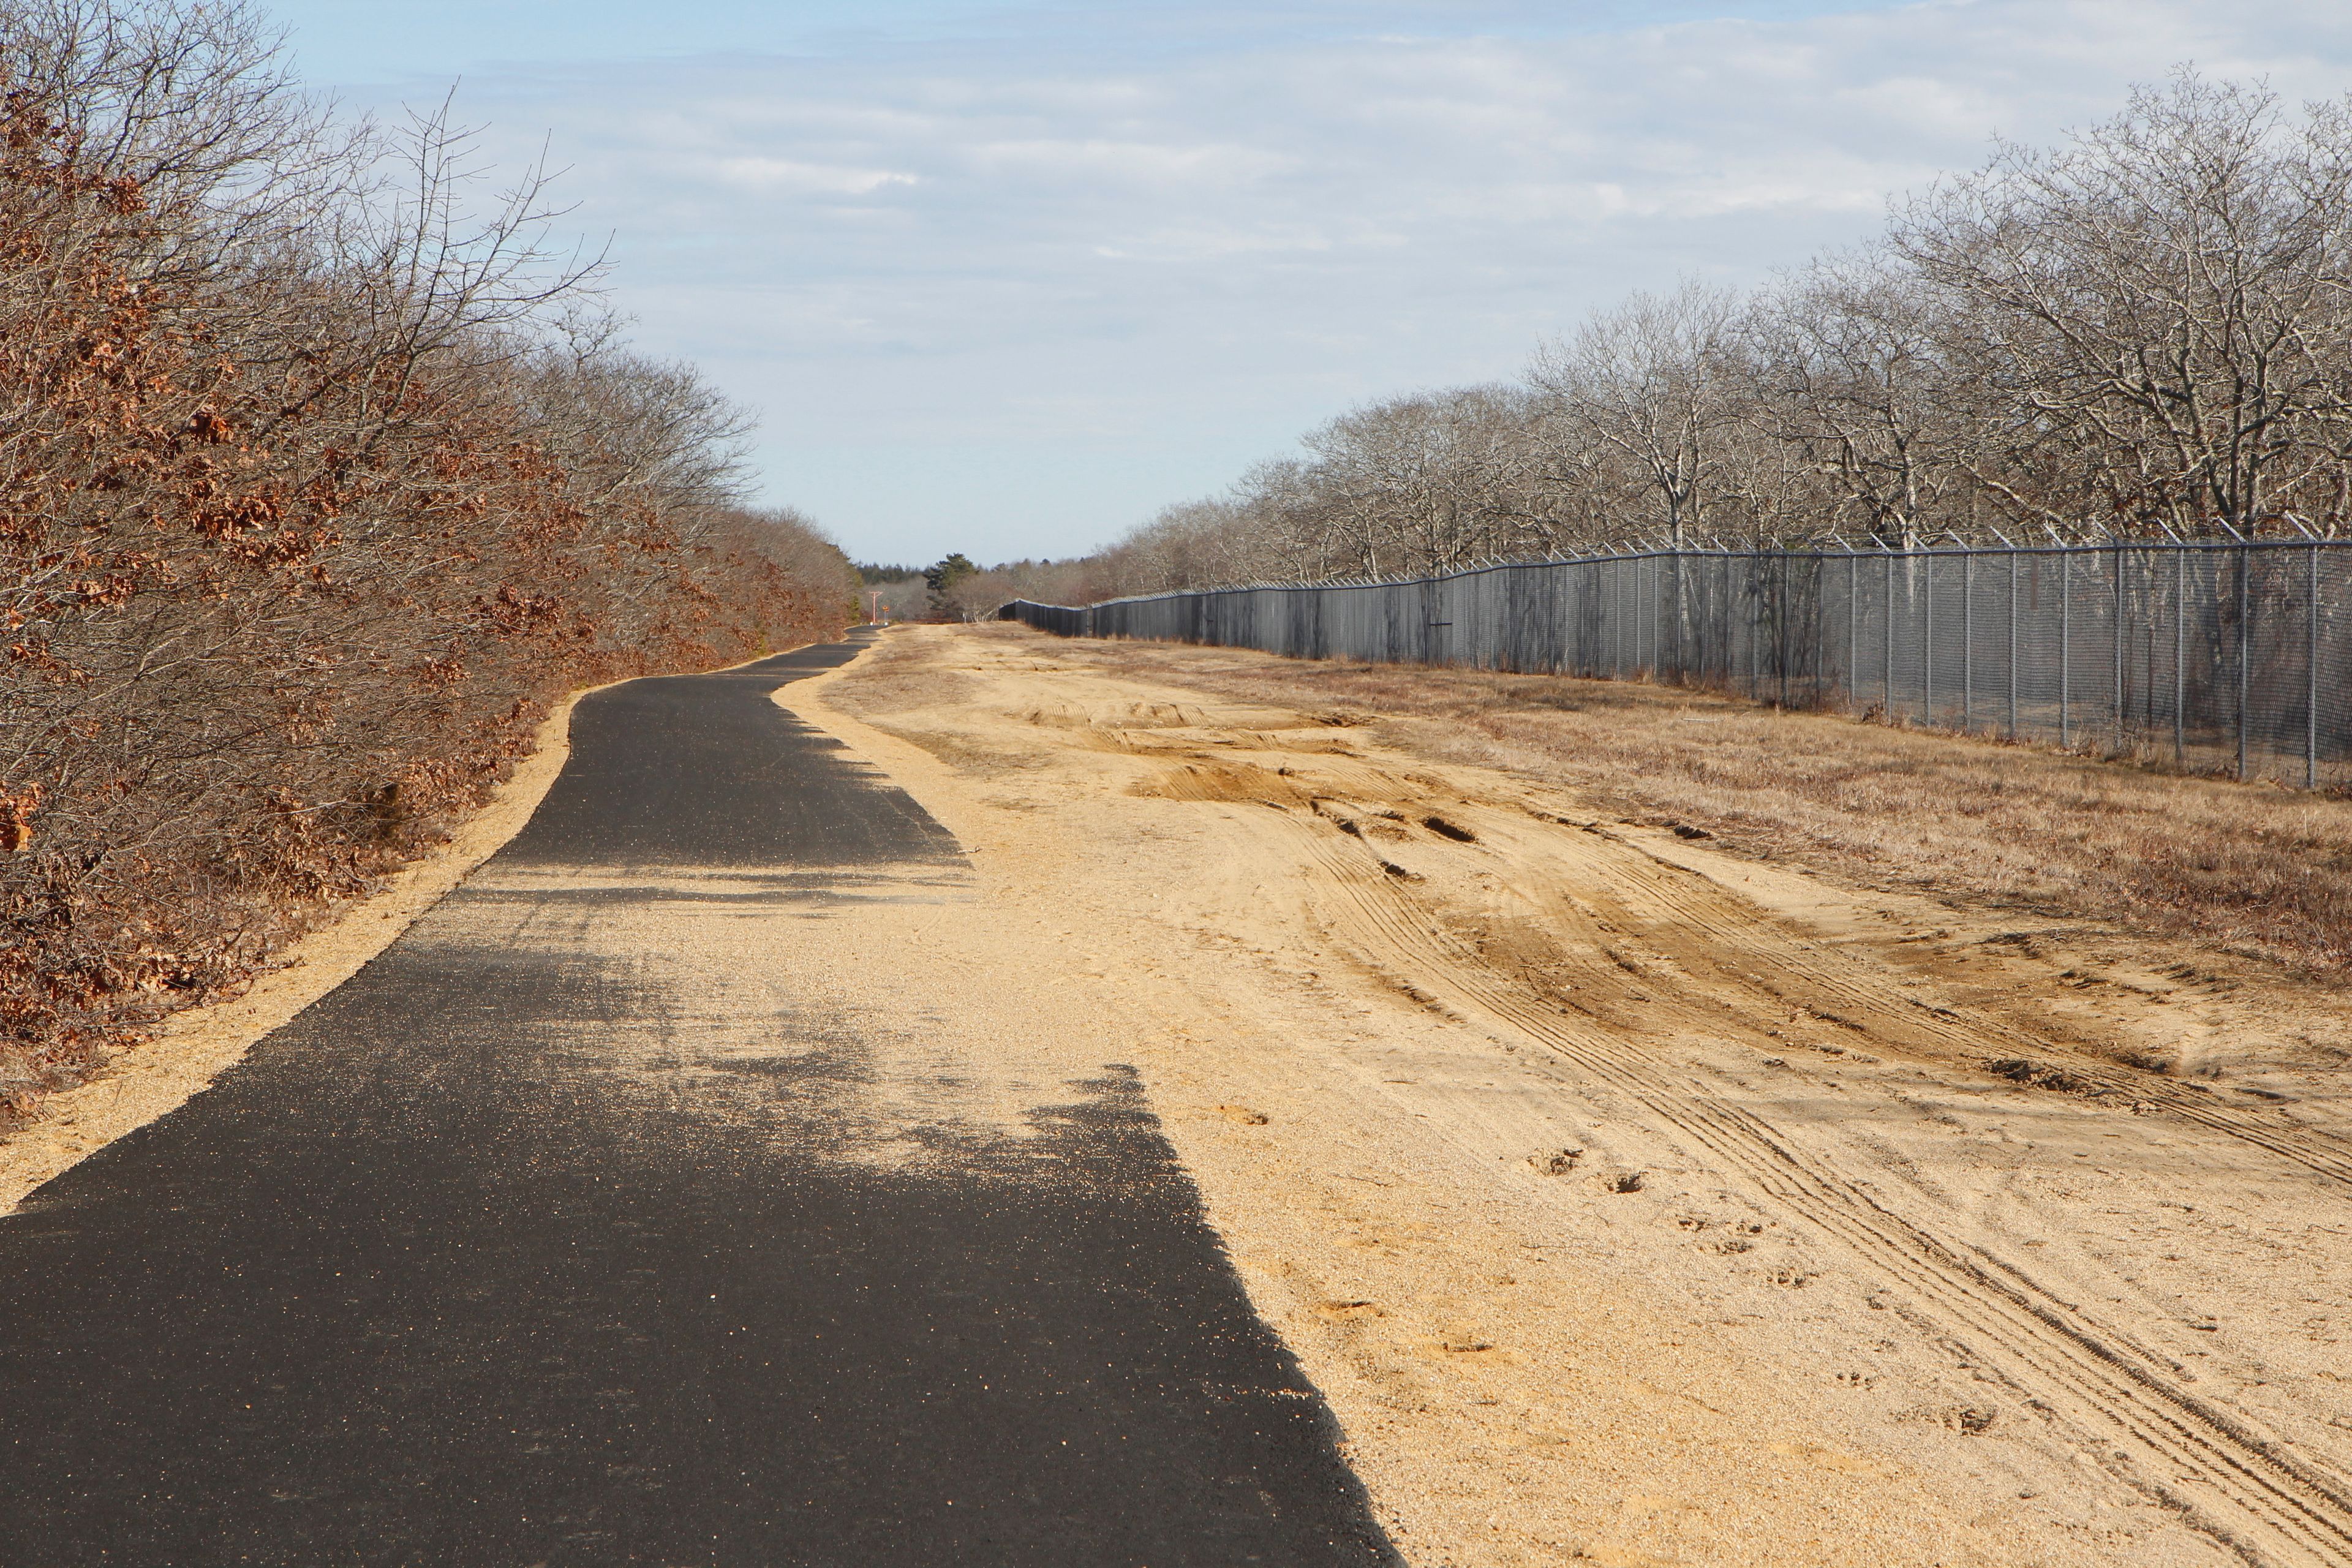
{"x": 2234, "y": 1481}
{"x": 1673, "y": 901}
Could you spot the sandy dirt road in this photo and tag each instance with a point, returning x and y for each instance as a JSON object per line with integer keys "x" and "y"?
{"x": 1636, "y": 1204}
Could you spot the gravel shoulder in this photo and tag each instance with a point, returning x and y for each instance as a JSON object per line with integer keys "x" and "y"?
{"x": 1638, "y": 1201}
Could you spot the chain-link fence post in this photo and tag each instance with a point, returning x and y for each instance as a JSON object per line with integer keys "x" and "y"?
{"x": 1968, "y": 641}
{"x": 2245, "y": 650}
{"x": 1887, "y": 665}
{"x": 2116, "y": 632}
{"x": 1675, "y": 588}
{"x": 1852, "y": 626}
{"x": 1927, "y": 638}
{"x": 1657, "y": 618}
{"x": 2065, "y": 647}
{"x": 1661, "y": 652}
{"x": 2311, "y": 676}
{"x": 2012, "y": 642}
{"x": 2181, "y": 656}
{"x": 1616, "y": 623}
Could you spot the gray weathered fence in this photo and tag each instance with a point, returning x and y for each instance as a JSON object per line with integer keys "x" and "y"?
{"x": 2232, "y": 656}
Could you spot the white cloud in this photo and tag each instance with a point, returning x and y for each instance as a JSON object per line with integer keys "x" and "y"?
{"x": 1009, "y": 292}
{"x": 773, "y": 175}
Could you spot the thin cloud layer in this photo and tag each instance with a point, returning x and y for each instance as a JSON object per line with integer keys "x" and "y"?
{"x": 1008, "y": 288}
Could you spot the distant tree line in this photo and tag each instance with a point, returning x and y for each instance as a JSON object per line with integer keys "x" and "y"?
{"x": 2146, "y": 328}
{"x": 320, "y": 476}
{"x": 960, "y": 589}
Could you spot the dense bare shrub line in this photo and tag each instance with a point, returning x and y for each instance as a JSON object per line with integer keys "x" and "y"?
{"x": 2147, "y": 328}
{"x": 320, "y": 477}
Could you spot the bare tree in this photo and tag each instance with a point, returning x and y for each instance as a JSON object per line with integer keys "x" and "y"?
{"x": 1851, "y": 377}
{"x": 2157, "y": 307}
{"x": 1651, "y": 382}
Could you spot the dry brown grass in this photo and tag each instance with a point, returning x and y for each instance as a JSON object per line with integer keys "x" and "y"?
{"x": 2258, "y": 869}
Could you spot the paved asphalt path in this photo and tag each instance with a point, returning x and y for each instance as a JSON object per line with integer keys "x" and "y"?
{"x": 408, "y": 1286}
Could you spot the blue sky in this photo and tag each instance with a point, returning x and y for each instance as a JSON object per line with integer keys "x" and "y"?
{"x": 1008, "y": 278}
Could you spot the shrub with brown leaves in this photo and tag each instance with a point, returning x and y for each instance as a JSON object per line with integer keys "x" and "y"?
{"x": 314, "y": 491}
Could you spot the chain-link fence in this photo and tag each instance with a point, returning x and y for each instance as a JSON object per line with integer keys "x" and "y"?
{"x": 2229, "y": 657}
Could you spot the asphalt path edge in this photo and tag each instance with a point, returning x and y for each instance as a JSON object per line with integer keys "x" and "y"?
{"x": 902, "y": 759}
{"x": 192, "y": 1047}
